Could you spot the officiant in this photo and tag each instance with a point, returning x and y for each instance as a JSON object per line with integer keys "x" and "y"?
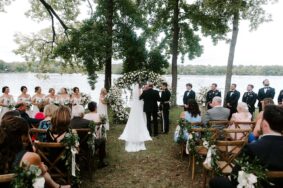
{"x": 165, "y": 106}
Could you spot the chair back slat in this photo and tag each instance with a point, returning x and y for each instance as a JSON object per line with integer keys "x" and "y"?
{"x": 6, "y": 178}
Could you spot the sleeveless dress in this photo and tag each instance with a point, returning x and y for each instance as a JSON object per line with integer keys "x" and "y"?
{"x": 26, "y": 100}
{"x": 6, "y": 101}
{"x": 135, "y": 132}
{"x": 65, "y": 101}
{"x": 102, "y": 110}
{"x": 35, "y": 107}
{"x": 76, "y": 101}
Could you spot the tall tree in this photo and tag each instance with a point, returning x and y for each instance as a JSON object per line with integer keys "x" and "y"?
{"x": 178, "y": 24}
{"x": 235, "y": 11}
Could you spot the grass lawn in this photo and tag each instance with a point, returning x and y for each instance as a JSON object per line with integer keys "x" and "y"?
{"x": 159, "y": 166}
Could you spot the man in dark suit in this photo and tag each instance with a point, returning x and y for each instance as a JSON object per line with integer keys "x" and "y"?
{"x": 150, "y": 98}
{"x": 189, "y": 94}
{"x": 265, "y": 92}
{"x": 250, "y": 98}
{"x": 232, "y": 98}
{"x": 280, "y": 98}
{"x": 268, "y": 149}
{"x": 22, "y": 107}
{"x": 78, "y": 122}
{"x": 213, "y": 92}
{"x": 165, "y": 106}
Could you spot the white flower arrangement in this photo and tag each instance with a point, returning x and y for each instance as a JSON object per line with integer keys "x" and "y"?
{"x": 85, "y": 99}
{"x": 201, "y": 95}
{"x": 246, "y": 180}
{"x": 114, "y": 96}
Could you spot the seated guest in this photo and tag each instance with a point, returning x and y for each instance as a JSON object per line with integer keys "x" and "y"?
{"x": 14, "y": 135}
{"x": 22, "y": 107}
{"x": 92, "y": 115}
{"x": 269, "y": 149}
{"x": 49, "y": 110}
{"x": 216, "y": 113}
{"x": 265, "y": 102}
{"x": 60, "y": 122}
{"x": 78, "y": 121}
{"x": 242, "y": 115}
{"x": 11, "y": 113}
{"x": 192, "y": 113}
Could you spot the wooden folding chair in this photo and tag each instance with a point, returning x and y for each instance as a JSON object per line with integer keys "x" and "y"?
{"x": 85, "y": 154}
{"x": 36, "y": 132}
{"x": 274, "y": 175}
{"x": 6, "y": 178}
{"x": 183, "y": 145}
{"x": 219, "y": 124}
{"x": 200, "y": 149}
{"x": 238, "y": 124}
{"x": 52, "y": 154}
{"x": 227, "y": 151}
{"x": 231, "y": 134}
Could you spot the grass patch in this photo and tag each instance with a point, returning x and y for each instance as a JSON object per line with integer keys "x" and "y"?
{"x": 159, "y": 166}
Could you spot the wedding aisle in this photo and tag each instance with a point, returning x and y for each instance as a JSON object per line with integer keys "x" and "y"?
{"x": 158, "y": 166}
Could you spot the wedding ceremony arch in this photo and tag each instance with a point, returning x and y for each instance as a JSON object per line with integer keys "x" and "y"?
{"x": 114, "y": 96}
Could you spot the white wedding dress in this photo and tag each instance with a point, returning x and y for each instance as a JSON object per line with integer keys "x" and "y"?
{"x": 135, "y": 132}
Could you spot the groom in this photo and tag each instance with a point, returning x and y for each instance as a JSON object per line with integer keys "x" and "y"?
{"x": 150, "y": 97}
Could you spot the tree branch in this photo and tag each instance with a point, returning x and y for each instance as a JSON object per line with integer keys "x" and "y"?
{"x": 90, "y": 6}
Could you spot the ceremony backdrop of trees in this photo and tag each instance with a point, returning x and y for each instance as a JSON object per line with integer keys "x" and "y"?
{"x": 144, "y": 34}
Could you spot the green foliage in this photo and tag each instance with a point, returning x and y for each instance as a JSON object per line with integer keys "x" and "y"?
{"x": 26, "y": 176}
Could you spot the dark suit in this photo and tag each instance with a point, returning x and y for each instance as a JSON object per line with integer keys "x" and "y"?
{"x": 31, "y": 121}
{"x": 164, "y": 107}
{"x": 150, "y": 107}
{"x": 232, "y": 98}
{"x": 210, "y": 95}
{"x": 280, "y": 97}
{"x": 270, "y": 92}
{"x": 250, "y": 98}
{"x": 269, "y": 150}
{"x": 188, "y": 95}
{"x": 100, "y": 144}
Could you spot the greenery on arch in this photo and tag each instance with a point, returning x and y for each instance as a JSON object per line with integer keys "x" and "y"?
{"x": 114, "y": 96}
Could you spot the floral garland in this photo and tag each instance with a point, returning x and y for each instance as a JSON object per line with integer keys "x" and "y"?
{"x": 71, "y": 141}
{"x": 28, "y": 176}
{"x": 252, "y": 173}
{"x": 114, "y": 97}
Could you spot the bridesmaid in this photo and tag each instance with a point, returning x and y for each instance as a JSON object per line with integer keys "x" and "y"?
{"x": 52, "y": 98}
{"x": 38, "y": 100}
{"x": 76, "y": 96}
{"x": 102, "y": 106}
{"x": 25, "y": 98}
{"x": 6, "y": 101}
{"x": 64, "y": 97}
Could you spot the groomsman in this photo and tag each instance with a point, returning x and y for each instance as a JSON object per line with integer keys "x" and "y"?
{"x": 211, "y": 94}
{"x": 232, "y": 98}
{"x": 165, "y": 106}
{"x": 265, "y": 92}
{"x": 280, "y": 98}
{"x": 189, "y": 94}
{"x": 250, "y": 98}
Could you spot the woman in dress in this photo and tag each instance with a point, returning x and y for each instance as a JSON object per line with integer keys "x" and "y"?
{"x": 76, "y": 97}
{"x": 102, "y": 106}
{"x": 38, "y": 101}
{"x": 25, "y": 98}
{"x": 6, "y": 101}
{"x": 14, "y": 134}
{"x": 64, "y": 97}
{"x": 52, "y": 97}
{"x": 135, "y": 132}
{"x": 242, "y": 115}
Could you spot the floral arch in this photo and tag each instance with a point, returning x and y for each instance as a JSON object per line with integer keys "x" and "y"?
{"x": 114, "y": 96}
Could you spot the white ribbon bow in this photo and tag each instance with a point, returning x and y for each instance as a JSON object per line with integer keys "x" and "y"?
{"x": 39, "y": 182}
{"x": 246, "y": 180}
{"x": 74, "y": 152}
{"x": 211, "y": 151}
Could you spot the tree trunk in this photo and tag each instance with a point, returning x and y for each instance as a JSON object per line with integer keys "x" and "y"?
{"x": 232, "y": 53}
{"x": 174, "y": 48}
{"x": 108, "y": 61}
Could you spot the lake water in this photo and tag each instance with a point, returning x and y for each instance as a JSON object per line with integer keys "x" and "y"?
{"x": 16, "y": 80}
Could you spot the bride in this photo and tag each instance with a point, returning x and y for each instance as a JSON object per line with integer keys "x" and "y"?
{"x": 135, "y": 132}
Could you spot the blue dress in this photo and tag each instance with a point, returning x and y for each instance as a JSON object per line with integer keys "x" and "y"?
{"x": 45, "y": 124}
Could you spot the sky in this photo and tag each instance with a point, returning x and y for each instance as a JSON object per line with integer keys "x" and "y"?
{"x": 260, "y": 47}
